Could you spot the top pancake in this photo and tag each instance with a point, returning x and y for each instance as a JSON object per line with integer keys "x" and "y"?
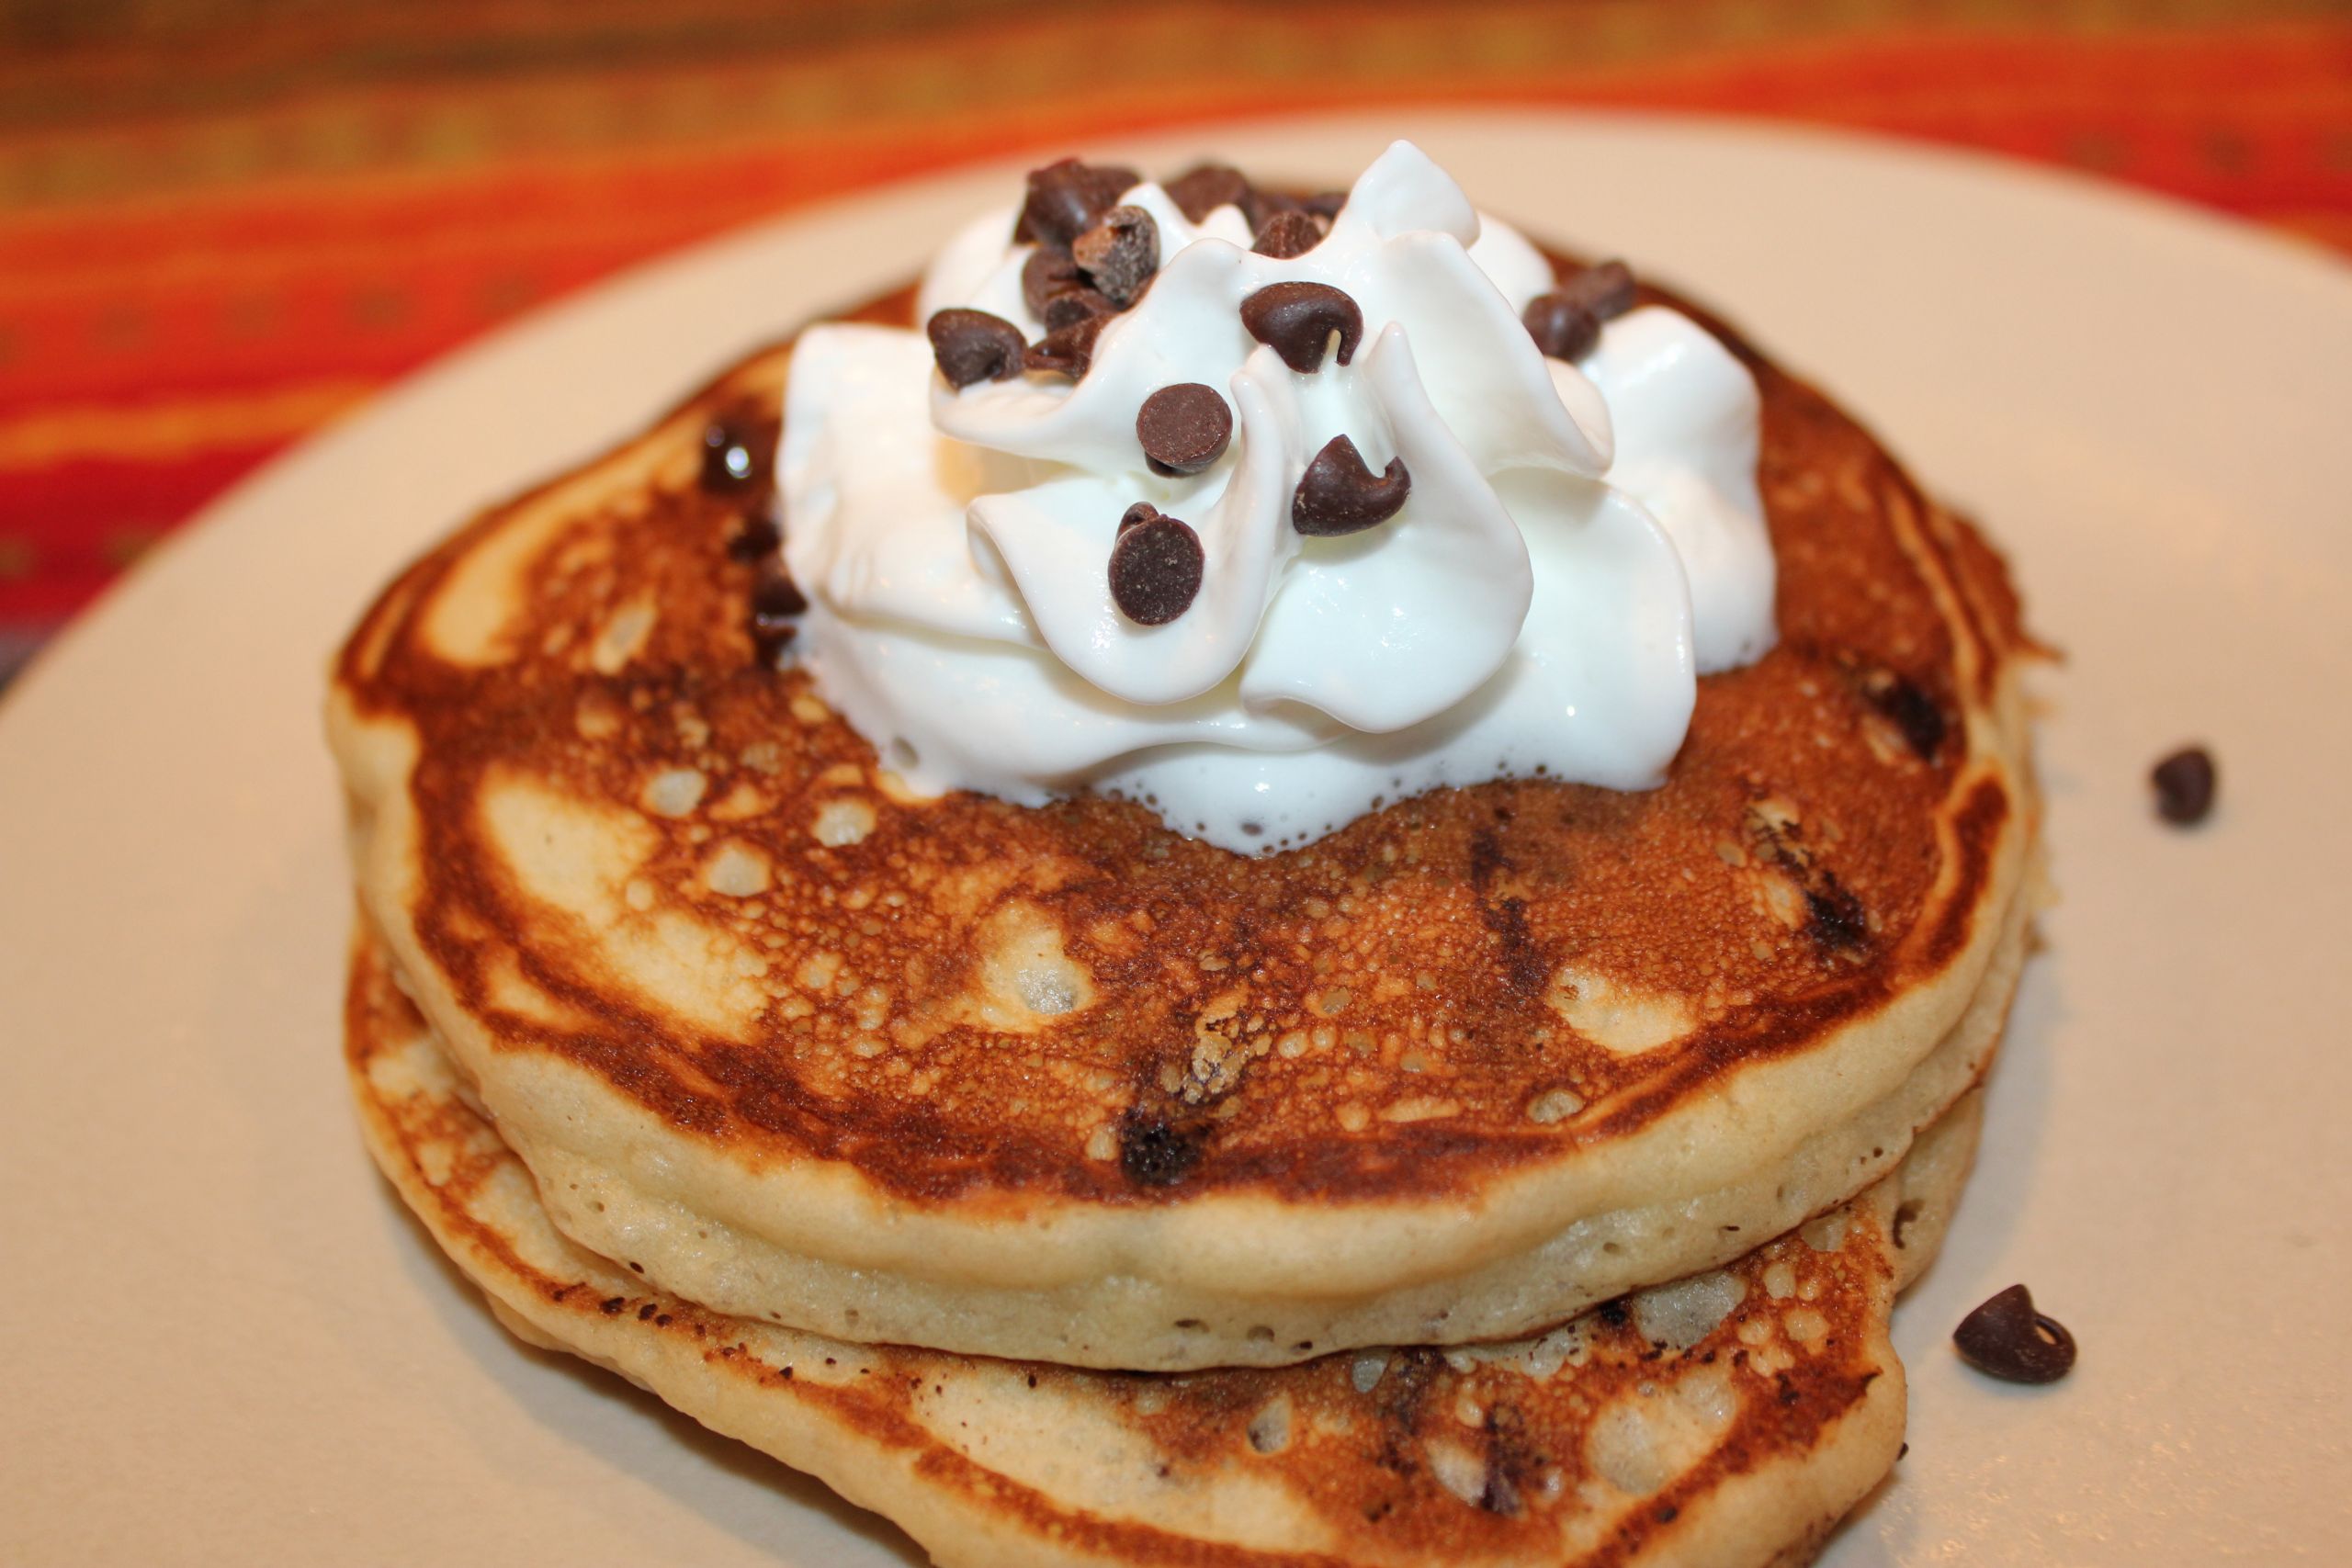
{"x": 1059, "y": 1082}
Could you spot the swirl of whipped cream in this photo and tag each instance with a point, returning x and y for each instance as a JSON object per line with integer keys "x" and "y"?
{"x": 1518, "y": 614}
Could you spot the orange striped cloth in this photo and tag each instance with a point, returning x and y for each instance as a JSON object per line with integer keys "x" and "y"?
{"x": 222, "y": 225}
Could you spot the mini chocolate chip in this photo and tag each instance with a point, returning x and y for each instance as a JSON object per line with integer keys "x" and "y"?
{"x": 1287, "y": 234}
{"x": 1910, "y": 709}
{"x": 777, "y": 604}
{"x": 1566, "y": 322}
{"x": 1066, "y": 197}
{"x": 1154, "y": 1152}
{"x": 1607, "y": 290}
{"x": 1141, "y": 511}
{"x": 757, "y": 538}
{"x": 734, "y": 459}
{"x": 1183, "y": 428}
{"x": 1072, "y": 306}
{"x": 1066, "y": 351}
{"x": 1326, "y": 204}
{"x": 1297, "y": 321}
{"x": 1049, "y": 270}
{"x": 972, "y": 345}
{"x": 1119, "y": 252}
{"x": 776, "y": 596}
{"x": 1561, "y": 328}
{"x": 1262, "y": 206}
{"x": 1156, "y": 570}
{"x": 1339, "y": 494}
{"x": 1201, "y": 190}
{"x": 2008, "y": 1340}
{"x": 2184, "y": 784}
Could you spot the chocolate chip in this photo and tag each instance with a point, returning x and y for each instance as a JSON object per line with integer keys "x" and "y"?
{"x": 1199, "y": 191}
{"x": 2008, "y": 1340}
{"x": 1261, "y": 206}
{"x": 1119, "y": 251}
{"x": 1296, "y": 319}
{"x": 1066, "y": 351}
{"x": 734, "y": 457}
{"x": 972, "y": 345}
{"x": 1287, "y": 234}
{"x": 1065, "y": 199}
{"x": 2184, "y": 784}
{"x": 1910, "y": 709}
{"x": 756, "y": 538}
{"x": 1326, "y": 204}
{"x": 1155, "y": 569}
{"x": 1561, "y": 328}
{"x": 1607, "y": 290}
{"x": 1183, "y": 428}
{"x": 1049, "y": 270}
{"x": 1072, "y": 306}
{"x": 776, "y": 604}
{"x": 1154, "y": 1152}
{"x": 1338, "y": 494}
{"x": 1565, "y": 323}
{"x": 1141, "y": 511}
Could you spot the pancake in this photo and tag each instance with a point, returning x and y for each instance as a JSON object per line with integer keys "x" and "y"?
{"x": 1057, "y": 1083}
{"x": 1729, "y": 1419}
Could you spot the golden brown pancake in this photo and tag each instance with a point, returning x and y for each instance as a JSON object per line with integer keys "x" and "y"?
{"x": 1057, "y": 1082}
{"x": 1729, "y": 1419}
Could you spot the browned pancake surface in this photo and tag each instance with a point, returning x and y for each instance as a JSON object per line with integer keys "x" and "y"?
{"x": 1377, "y": 1014}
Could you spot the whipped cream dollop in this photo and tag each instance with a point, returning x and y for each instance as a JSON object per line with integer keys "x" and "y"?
{"x": 1579, "y": 543}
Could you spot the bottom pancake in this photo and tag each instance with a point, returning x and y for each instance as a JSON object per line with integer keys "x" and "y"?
{"x": 1733, "y": 1417}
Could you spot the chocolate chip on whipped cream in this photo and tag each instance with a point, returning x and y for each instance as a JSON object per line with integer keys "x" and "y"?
{"x": 1066, "y": 350}
{"x": 1072, "y": 306}
{"x": 1119, "y": 252}
{"x": 1566, "y": 322}
{"x": 1201, "y": 190}
{"x": 1297, "y": 320}
{"x": 1050, "y": 270}
{"x": 1066, "y": 197}
{"x": 1155, "y": 568}
{"x": 1341, "y": 494}
{"x": 1141, "y": 511}
{"x": 1183, "y": 429}
{"x": 972, "y": 346}
{"x": 1287, "y": 234}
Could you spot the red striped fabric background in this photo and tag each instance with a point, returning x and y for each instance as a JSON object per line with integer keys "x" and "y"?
{"x": 224, "y": 224}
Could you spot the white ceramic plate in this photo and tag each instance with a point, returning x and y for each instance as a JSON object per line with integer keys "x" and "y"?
{"x": 225, "y": 1342}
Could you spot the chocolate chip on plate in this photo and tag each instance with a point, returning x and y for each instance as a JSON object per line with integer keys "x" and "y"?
{"x": 1287, "y": 234}
{"x": 1049, "y": 270}
{"x": 972, "y": 345}
{"x": 2184, "y": 784}
{"x": 1184, "y": 428}
{"x": 1565, "y": 323}
{"x": 1201, "y": 190}
{"x": 1155, "y": 569}
{"x": 1119, "y": 251}
{"x": 1297, "y": 321}
{"x": 1067, "y": 351}
{"x": 2006, "y": 1339}
{"x": 1341, "y": 494}
{"x": 1072, "y": 306}
{"x": 734, "y": 458}
{"x": 1066, "y": 197}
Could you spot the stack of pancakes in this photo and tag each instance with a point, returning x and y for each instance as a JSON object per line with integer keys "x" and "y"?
{"x": 1521, "y": 1175}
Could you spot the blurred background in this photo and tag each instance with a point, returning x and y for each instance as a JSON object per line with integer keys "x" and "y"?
{"x": 225, "y": 223}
